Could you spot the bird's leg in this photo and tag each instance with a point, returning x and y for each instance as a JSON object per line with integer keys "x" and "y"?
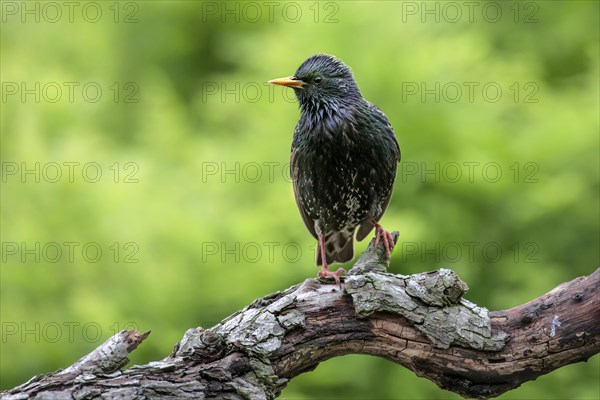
{"x": 388, "y": 240}
{"x": 325, "y": 272}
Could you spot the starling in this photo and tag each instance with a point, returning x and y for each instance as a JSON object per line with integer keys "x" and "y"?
{"x": 343, "y": 160}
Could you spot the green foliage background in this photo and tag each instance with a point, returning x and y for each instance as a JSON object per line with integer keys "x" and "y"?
{"x": 202, "y": 103}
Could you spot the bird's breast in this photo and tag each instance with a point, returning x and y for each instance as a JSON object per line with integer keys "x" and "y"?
{"x": 340, "y": 179}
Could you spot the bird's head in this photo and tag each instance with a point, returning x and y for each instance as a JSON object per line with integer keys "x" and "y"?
{"x": 322, "y": 81}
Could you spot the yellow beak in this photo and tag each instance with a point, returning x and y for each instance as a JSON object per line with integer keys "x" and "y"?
{"x": 289, "y": 81}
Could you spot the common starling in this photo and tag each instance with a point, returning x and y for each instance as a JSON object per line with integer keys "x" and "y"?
{"x": 343, "y": 161}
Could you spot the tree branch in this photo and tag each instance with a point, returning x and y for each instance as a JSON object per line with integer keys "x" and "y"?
{"x": 420, "y": 321}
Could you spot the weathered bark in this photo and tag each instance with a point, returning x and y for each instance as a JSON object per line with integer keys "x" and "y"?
{"x": 420, "y": 321}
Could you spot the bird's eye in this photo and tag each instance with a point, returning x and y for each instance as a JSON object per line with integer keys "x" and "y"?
{"x": 318, "y": 79}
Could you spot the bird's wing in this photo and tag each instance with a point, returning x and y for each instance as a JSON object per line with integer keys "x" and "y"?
{"x": 390, "y": 130}
{"x": 366, "y": 226}
{"x": 308, "y": 222}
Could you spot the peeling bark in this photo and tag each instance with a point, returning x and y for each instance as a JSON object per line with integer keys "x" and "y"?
{"x": 420, "y": 321}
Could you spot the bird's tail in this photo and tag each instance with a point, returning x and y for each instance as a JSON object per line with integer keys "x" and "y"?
{"x": 339, "y": 247}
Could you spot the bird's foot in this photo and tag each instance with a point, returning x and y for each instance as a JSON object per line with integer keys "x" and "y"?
{"x": 326, "y": 273}
{"x": 386, "y": 238}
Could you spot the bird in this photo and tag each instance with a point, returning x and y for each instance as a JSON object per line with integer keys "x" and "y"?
{"x": 343, "y": 161}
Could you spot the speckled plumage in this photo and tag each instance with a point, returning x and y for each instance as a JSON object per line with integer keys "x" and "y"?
{"x": 344, "y": 157}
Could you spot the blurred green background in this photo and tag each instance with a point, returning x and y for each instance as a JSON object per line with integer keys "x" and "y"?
{"x": 144, "y": 166}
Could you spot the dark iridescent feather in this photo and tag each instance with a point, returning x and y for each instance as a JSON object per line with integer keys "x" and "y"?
{"x": 344, "y": 157}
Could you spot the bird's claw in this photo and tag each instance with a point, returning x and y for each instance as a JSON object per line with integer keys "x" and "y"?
{"x": 326, "y": 273}
{"x": 387, "y": 239}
